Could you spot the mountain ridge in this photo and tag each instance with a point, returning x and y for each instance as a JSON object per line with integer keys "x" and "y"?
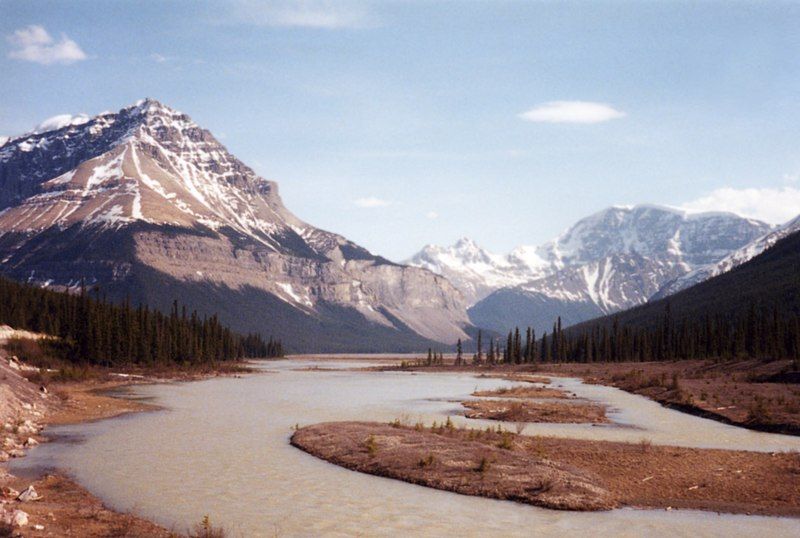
{"x": 608, "y": 261}
{"x": 164, "y": 195}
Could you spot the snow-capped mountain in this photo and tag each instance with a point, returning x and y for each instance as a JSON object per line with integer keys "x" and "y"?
{"x": 612, "y": 260}
{"x": 476, "y": 271}
{"x": 146, "y": 204}
{"x": 732, "y": 260}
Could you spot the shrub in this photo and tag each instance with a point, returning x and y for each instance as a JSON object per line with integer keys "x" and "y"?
{"x": 205, "y": 529}
{"x": 372, "y": 446}
{"x": 483, "y": 465}
{"x": 426, "y": 462}
{"x": 758, "y": 410}
{"x": 645, "y": 444}
{"x": 675, "y": 383}
{"x": 505, "y": 442}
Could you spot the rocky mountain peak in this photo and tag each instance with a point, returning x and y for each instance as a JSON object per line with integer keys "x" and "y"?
{"x": 613, "y": 259}
{"x": 146, "y": 202}
{"x": 146, "y": 162}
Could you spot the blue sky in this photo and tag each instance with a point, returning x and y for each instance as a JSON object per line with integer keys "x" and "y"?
{"x": 398, "y": 124}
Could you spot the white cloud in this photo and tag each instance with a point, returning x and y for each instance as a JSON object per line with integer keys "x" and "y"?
{"x": 572, "y": 112}
{"x": 34, "y": 44}
{"x": 60, "y": 121}
{"x": 156, "y": 57}
{"x": 432, "y": 215}
{"x": 773, "y": 205}
{"x": 791, "y": 178}
{"x": 301, "y": 13}
{"x": 370, "y": 202}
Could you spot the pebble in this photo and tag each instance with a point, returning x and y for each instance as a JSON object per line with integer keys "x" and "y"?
{"x": 30, "y": 494}
{"x": 19, "y": 518}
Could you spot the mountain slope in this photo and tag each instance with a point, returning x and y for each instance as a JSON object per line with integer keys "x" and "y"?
{"x": 770, "y": 280}
{"x": 612, "y": 260}
{"x": 144, "y": 203}
{"x": 732, "y": 260}
{"x": 476, "y": 271}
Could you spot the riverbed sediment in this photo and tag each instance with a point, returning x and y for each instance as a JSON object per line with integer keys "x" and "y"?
{"x": 561, "y": 473}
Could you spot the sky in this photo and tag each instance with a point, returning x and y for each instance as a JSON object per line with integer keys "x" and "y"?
{"x": 399, "y": 124}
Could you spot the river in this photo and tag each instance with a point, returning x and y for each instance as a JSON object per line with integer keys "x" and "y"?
{"x": 220, "y": 447}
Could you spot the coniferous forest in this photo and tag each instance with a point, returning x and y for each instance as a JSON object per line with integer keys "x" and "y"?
{"x": 752, "y": 311}
{"x": 758, "y": 334}
{"x": 95, "y": 331}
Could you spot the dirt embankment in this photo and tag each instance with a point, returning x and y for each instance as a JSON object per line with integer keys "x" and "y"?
{"x": 752, "y": 394}
{"x": 562, "y": 473}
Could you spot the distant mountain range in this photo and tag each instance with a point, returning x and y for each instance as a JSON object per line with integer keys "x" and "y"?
{"x": 145, "y": 204}
{"x": 610, "y": 261}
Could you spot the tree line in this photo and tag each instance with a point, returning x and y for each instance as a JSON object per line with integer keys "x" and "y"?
{"x": 92, "y": 330}
{"x": 760, "y": 333}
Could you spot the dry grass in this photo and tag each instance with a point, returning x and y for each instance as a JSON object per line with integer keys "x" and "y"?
{"x": 449, "y": 459}
{"x": 522, "y": 392}
{"x": 526, "y": 412}
{"x": 530, "y": 469}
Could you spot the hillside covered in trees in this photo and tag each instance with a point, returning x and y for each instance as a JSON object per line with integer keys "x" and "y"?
{"x": 752, "y": 311}
{"x": 94, "y": 331}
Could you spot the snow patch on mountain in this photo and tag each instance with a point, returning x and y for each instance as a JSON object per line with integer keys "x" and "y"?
{"x": 476, "y": 271}
{"x": 731, "y": 260}
{"x": 614, "y": 259}
{"x": 186, "y": 207}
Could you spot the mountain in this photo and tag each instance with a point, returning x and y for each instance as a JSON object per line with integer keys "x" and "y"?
{"x": 731, "y": 261}
{"x": 615, "y": 259}
{"x": 759, "y": 291}
{"x": 146, "y": 205}
{"x": 476, "y": 271}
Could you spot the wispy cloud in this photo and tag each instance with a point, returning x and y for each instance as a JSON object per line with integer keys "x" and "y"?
{"x": 61, "y": 121}
{"x": 323, "y": 14}
{"x": 370, "y": 202}
{"x": 433, "y": 215}
{"x": 773, "y": 205}
{"x": 159, "y": 58}
{"x": 572, "y": 112}
{"x": 791, "y": 178}
{"x": 34, "y": 44}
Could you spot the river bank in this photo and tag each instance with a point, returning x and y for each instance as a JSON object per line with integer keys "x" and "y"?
{"x": 560, "y": 473}
{"x": 758, "y": 395}
{"x": 60, "y": 506}
{"x": 223, "y": 450}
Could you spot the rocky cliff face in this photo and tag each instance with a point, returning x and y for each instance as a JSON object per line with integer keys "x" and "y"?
{"x": 146, "y": 204}
{"x": 609, "y": 261}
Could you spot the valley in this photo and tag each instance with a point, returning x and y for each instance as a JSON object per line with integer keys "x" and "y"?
{"x": 314, "y": 268}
